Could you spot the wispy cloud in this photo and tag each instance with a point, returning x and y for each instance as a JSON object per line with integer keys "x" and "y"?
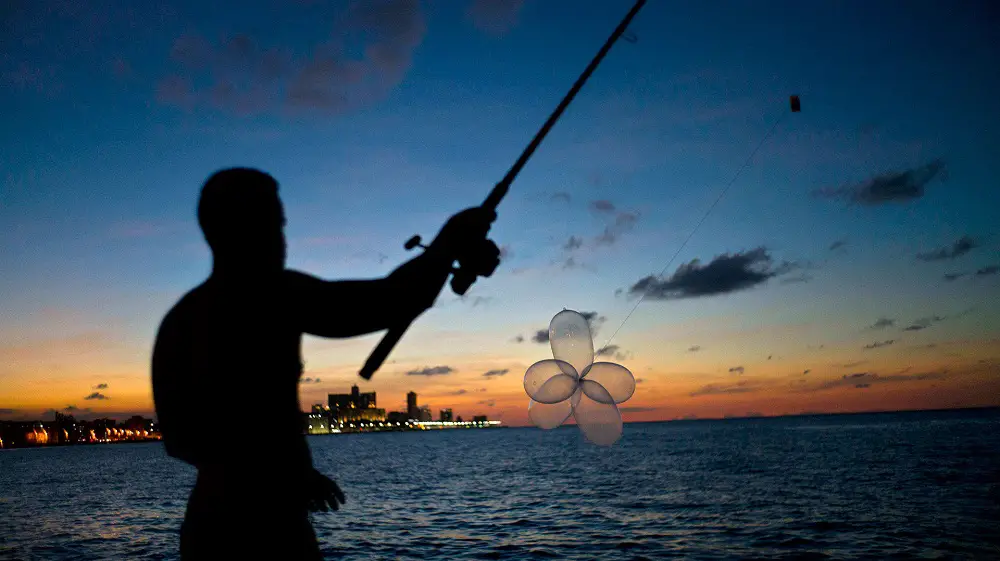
{"x": 97, "y": 396}
{"x": 923, "y": 323}
{"x": 882, "y": 323}
{"x": 613, "y": 351}
{"x": 541, "y": 336}
{"x": 241, "y": 76}
{"x": 431, "y": 371}
{"x": 724, "y": 274}
{"x": 878, "y": 344}
{"x": 494, "y": 17}
{"x": 839, "y": 244}
{"x": 737, "y": 370}
{"x": 495, "y": 373}
{"x": 102, "y": 386}
{"x": 694, "y": 348}
{"x": 953, "y": 276}
{"x": 573, "y": 243}
{"x": 721, "y": 389}
{"x": 987, "y": 271}
{"x": 638, "y": 409}
{"x": 309, "y": 380}
{"x": 959, "y": 248}
{"x": 892, "y": 187}
{"x": 862, "y": 380}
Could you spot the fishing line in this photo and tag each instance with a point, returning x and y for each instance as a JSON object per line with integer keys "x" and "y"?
{"x": 690, "y": 235}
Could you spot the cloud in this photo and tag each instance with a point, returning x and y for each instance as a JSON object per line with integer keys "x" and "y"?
{"x": 561, "y": 196}
{"x": 724, "y": 274}
{"x": 612, "y": 351}
{"x": 989, "y": 270}
{"x": 797, "y": 279}
{"x": 308, "y": 380}
{"x": 806, "y": 371}
{"x": 608, "y": 350}
{"x": 541, "y": 336}
{"x": 367, "y": 54}
{"x": 694, "y": 348}
{"x": 488, "y": 402}
{"x": 878, "y": 344}
{"x": 637, "y": 409}
{"x": 862, "y": 380}
{"x": 721, "y": 389}
{"x": 953, "y": 276}
{"x": 602, "y": 206}
{"x": 960, "y": 247}
{"x": 882, "y": 323}
{"x": 518, "y": 338}
{"x": 837, "y": 245}
{"x": 923, "y": 323}
{"x": 495, "y": 373}
{"x": 7, "y": 411}
{"x": 494, "y": 17}
{"x": 639, "y": 380}
{"x": 853, "y": 364}
{"x": 458, "y": 392}
{"x": 102, "y": 386}
{"x": 737, "y": 370}
{"x": 573, "y": 243}
{"x": 505, "y": 252}
{"x": 97, "y": 395}
{"x": 75, "y": 409}
{"x": 572, "y": 263}
{"x": 594, "y": 319}
{"x": 624, "y": 221}
{"x": 893, "y": 187}
{"x": 431, "y": 371}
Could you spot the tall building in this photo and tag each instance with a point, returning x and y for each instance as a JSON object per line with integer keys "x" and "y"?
{"x": 446, "y": 415}
{"x": 411, "y": 405}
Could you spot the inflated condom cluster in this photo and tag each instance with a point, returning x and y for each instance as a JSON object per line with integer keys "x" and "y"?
{"x": 572, "y": 384}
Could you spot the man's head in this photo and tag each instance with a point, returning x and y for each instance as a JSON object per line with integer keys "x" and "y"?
{"x": 243, "y": 221}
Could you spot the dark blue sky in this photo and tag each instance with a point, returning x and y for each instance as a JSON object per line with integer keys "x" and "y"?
{"x": 382, "y": 119}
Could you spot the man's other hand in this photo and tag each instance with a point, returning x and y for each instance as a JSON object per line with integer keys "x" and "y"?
{"x": 322, "y": 493}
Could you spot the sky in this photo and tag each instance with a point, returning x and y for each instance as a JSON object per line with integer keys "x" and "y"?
{"x": 850, "y": 265}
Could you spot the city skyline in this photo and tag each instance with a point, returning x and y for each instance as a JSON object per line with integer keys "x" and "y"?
{"x": 853, "y": 266}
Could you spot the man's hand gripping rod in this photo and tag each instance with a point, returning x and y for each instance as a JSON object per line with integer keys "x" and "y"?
{"x": 476, "y": 257}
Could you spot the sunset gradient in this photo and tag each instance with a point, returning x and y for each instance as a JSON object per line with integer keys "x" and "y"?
{"x": 882, "y": 291}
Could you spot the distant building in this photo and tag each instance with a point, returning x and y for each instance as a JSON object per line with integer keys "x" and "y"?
{"x": 480, "y": 419}
{"x": 424, "y": 414}
{"x": 411, "y": 405}
{"x": 398, "y": 417}
{"x": 138, "y": 423}
{"x": 317, "y": 424}
{"x": 352, "y": 407}
{"x": 445, "y": 416}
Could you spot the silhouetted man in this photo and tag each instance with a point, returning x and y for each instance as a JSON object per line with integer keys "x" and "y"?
{"x": 227, "y": 361}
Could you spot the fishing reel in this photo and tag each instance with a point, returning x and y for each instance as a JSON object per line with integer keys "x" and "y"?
{"x": 463, "y": 239}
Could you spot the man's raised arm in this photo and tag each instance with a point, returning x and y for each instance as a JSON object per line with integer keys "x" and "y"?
{"x": 347, "y": 308}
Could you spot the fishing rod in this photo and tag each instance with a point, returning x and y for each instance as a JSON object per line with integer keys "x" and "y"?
{"x": 473, "y": 255}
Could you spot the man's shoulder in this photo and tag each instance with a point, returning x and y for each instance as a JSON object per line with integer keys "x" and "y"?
{"x": 184, "y": 308}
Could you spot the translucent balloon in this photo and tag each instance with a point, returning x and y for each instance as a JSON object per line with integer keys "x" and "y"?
{"x": 615, "y": 378}
{"x": 557, "y": 388}
{"x": 541, "y": 371}
{"x": 549, "y": 416}
{"x": 571, "y": 341}
{"x": 600, "y": 422}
